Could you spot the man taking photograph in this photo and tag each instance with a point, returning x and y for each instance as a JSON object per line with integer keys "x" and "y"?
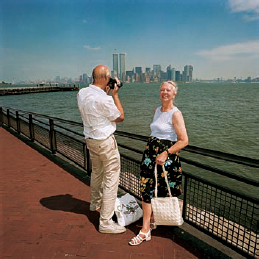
{"x": 100, "y": 112}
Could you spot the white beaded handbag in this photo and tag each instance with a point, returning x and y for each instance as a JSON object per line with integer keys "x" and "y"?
{"x": 166, "y": 210}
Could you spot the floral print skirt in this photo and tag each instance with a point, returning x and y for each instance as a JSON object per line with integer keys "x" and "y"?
{"x": 172, "y": 165}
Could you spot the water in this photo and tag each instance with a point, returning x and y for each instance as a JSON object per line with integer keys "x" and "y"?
{"x": 221, "y": 116}
{"x": 218, "y": 116}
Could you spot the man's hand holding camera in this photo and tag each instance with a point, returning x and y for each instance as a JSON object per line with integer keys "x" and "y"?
{"x": 114, "y": 85}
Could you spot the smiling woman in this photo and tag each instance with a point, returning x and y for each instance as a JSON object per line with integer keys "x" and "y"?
{"x": 168, "y": 90}
{"x": 168, "y": 137}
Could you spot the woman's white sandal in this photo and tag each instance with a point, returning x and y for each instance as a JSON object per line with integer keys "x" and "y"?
{"x": 137, "y": 240}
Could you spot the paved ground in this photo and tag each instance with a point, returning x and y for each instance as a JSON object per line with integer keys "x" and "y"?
{"x": 45, "y": 214}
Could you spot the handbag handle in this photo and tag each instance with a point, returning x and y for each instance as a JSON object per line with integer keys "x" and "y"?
{"x": 166, "y": 180}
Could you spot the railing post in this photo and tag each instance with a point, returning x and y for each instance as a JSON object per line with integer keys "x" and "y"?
{"x": 52, "y": 137}
{"x": 8, "y": 118}
{"x": 85, "y": 156}
{"x": 18, "y": 123}
{"x": 1, "y": 115}
{"x": 87, "y": 160}
{"x": 31, "y": 128}
{"x": 184, "y": 196}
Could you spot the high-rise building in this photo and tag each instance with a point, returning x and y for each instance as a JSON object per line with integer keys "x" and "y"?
{"x": 173, "y": 74}
{"x": 148, "y": 71}
{"x": 115, "y": 71}
{"x": 187, "y": 73}
{"x": 57, "y": 79}
{"x": 122, "y": 67}
{"x": 138, "y": 74}
{"x": 129, "y": 76}
{"x": 85, "y": 78}
{"x": 138, "y": 70}
{"x": 157, "y": 73}
{"x": 156, "y": 68}
{"x": 169, "y": 73}
{"x": 178, "y": 76}
{"x": 163, "y": 76}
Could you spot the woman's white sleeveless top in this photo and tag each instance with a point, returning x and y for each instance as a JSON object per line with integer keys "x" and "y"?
{"x": 162, "y": 126}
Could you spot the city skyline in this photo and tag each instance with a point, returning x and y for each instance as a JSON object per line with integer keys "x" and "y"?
{"x": 147, "y": 76}
{"x": 43, "y": 39}
{"x": 138, "y": 74}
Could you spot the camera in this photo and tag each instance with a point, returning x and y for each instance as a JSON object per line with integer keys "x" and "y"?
{"x": 112, "y": 83}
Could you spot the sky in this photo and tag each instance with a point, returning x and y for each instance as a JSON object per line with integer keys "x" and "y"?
{"x": 42, "y": 39}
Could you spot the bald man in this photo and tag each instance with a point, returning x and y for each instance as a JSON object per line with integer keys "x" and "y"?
{"x": 100, "y": 112}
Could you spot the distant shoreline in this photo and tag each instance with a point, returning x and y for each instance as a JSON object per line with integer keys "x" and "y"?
{"x": 5, "y": 84}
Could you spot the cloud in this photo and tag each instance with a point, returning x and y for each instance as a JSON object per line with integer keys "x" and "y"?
{"x": 85, "y": 21}
{"x": 91, "y": 48}
{"x": 250, "y": 7}
{"x": 249, "y": 50}
{"x": 251, "y": 17}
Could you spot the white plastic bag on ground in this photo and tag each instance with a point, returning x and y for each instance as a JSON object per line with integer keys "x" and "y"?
{"x": 127, "y": 210}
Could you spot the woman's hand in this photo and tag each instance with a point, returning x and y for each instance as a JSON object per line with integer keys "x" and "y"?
{"x": 161, "y": 158}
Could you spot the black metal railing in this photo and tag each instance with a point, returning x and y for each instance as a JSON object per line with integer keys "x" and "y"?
{"x": 218, "y": 198}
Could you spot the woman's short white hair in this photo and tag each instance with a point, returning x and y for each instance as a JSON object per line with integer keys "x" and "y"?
{"x": 172, "y": 84}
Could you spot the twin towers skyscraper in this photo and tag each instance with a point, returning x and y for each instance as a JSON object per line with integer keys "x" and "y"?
{"x": 119, "y": 67}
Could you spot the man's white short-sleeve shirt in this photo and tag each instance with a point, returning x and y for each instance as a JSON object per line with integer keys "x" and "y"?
{"x": 98, "y": 111}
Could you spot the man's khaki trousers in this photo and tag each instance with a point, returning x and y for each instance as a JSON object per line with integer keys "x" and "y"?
{"x": 105, "y": 176}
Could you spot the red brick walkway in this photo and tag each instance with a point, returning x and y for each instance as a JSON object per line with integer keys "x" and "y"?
{"x": 45, "y": 214}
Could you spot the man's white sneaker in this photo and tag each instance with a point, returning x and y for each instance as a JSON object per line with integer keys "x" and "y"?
{"x": 113, "y": 228}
